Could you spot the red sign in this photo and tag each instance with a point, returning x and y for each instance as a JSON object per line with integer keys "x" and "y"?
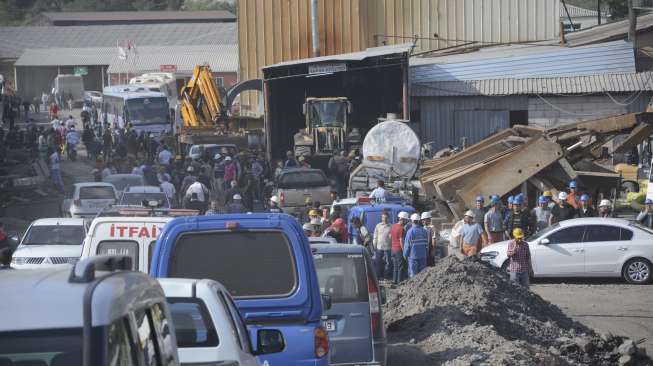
{"x": 168, "y": 68}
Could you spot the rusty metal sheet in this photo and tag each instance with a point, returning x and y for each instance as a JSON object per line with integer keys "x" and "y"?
{"x": 637, "y": 135}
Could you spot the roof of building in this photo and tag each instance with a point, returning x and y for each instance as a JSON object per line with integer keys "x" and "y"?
{"x": 221, "y": 58}
{"x": 613, "y": 83}
{"x": 525, "y": 61}
{"x": 607, "y": 32}
{"x": 577, "y": 11}
{"x": 14, "y": 40}
{"x": 103, "y": 16}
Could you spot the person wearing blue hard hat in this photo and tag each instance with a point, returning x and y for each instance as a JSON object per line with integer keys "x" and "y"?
{"x": 573, "y": 195}
{"x": 584, "y": 207}
{"x": 646, "y": 216}
{"x": 493, "y": 221}
{"x": 478, "y": 210}
{"x": 518, "y": 217}
{"x": 541, "y": 215}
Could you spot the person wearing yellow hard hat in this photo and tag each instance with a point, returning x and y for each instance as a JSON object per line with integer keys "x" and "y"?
{"x": 519, "y": 256}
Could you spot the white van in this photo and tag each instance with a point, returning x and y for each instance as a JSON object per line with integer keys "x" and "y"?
{"x": 131, "y": 236}
{"x": 65, "y": 87}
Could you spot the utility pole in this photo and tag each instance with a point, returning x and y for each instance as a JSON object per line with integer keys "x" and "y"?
{"x": 598, "y": 9}
{"x": 632, "y": 21}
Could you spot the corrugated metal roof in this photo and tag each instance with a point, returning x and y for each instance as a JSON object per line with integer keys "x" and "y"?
{"x": 612, "y": 57}
{"x": 14, "y": 40}
{"x": 92, "y": 16}
{"x": 614, "y": 83}
{"x": 577, "y": 11}
{"x": 221, "y": 58}
{"x": 606, "y": 32}
{"x": 353, "y": 56}
{"x": 66, "y": 56}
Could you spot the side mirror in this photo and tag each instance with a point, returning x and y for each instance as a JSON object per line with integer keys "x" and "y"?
{"x": 15, "y": 238}
{"x": 269, "y": 341}
{"x": 326, "y": 302}
{"x": 382, "y": 293}
{"x": 545, "y": 241}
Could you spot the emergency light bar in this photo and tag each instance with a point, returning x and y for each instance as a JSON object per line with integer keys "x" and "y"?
{"x": 157, "y": 212}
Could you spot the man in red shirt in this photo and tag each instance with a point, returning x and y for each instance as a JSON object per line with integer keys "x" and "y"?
{"x": 397, "y": 234}
{"x": 520, "y": 258}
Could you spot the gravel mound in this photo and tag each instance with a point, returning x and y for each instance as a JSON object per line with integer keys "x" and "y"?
{"x": 464, "y": 312}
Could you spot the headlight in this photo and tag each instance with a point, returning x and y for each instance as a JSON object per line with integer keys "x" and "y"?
{"x": 18, "y": 260}
{"x": 489, "y": 255}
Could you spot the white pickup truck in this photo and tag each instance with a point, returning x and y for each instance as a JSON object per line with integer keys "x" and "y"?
{"x": 87, "y": 199}
{"x": 295, "y": 185}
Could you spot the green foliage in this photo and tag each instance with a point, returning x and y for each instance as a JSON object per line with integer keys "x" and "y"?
{"x": 199, "y": 5}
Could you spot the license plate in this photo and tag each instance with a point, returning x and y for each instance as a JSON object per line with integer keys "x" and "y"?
{"x": 329, "y": 325}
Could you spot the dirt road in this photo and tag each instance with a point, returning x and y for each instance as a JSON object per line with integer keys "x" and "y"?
{"x": 605, "y": 306}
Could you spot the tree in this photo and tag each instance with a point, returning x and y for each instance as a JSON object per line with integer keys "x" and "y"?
{"x": 199, "y": 5}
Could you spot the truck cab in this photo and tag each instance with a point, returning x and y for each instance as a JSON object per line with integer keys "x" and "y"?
{"x": 265, "y": 262}
{"x": 370, "y": 214}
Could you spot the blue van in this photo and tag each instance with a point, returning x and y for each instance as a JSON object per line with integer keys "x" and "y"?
{"x": 370, "y": 214}
{"x": 265, "y": 262}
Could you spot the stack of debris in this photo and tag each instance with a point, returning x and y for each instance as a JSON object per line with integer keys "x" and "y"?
{"x": 522, "y": 156}
{"x": 463, "y": 312}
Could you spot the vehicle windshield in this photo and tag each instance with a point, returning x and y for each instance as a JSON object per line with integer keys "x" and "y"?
{"x": 641, "y": 227}
{"x": 138, "y": 198}
{"x": 193, "y": 324}
{"x": 54, "y": 234}
{"x": 328, "y": 113}
{"x": 342, "y": 276}
{"x": 147, "y": 111}
{"x": 51, "y": 347}
{"x": 122, "y": 182}
{"x": 301, "y": 179}
{"x": 220, "y": 256}
{"x": 96, "y": 193}
{"x": 542, "y": 232}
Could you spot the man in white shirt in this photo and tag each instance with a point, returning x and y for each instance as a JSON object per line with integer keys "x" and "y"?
{"x": 70, "y": 122}
{"x": 164, "y": 156}
{"x": 201, "y": 192}
{"x": 379, "y": 193}
{"x": 169, "y": 189}
{"x": 55, "y": 171}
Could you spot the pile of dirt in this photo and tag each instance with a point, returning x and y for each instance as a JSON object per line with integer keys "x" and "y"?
{"x": 464, "y": 312}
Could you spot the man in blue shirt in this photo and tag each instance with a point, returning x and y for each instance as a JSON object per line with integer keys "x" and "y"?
{"x": 416, "y": 246}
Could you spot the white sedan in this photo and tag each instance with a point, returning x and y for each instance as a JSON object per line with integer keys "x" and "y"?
{"x": 587, "y": 247}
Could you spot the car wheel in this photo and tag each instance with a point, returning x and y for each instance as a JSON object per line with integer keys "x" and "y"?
{"x": 504, "y": 266}
{"x": 637, "y": 271}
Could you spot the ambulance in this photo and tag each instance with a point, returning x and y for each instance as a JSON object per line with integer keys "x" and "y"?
{"x": 134, "y": 234}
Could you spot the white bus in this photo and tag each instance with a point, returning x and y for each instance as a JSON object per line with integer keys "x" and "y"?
{"x": 159, "y": 82}
{"x": 144, "y": 110}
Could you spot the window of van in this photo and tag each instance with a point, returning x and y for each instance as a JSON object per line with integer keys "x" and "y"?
{"x": 120, "y": 247}
{"x": 342, "y": 276}
{"x": 238, "y": 260}
{"x": 193, "y": 324}
{"x": 96, "y": 193}
{"x": 47, "y": 347}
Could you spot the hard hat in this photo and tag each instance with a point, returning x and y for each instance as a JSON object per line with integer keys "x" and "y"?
{"x": 426, "y": 215}
{"x": 572, "y": 184}
{"x": 495, "y": 200}
{"x": 301, "y": 158}
{"x": 414, "y": 217}
{"x": 480, "y": 198}
{"x": 584, "y": 198}
{"x": 605, "y": 203}
{"x": 316, "y": 221}
{"x": 518, "y": 233}
{"x": 313, "y": 212}
{"x": 217, "y": 156}
{"x": 648, "y": 201}
{"x": 308, "y": 200}
{"x": 307, "y": 227}
{"x": 228, "y": 158}
{"x": 190, "y": 169}
{"x": 562, "y": 196}
{"x": 519, "y": 200}
{"x": 542, "y": 200}
{"x": 510, "y": 200}
{"x": 237, "y": 197}
{"x": 469, "y": 213}
{"x": 274, "y": 199}
{"x": 403, "y": 215}
{"x": 234, "y": 184}
{"x": 547, "y": 194}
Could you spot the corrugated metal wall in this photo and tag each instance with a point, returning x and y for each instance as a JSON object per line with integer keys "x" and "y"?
{"x": 272, "y": 31}
{"x": 444, "y": 120}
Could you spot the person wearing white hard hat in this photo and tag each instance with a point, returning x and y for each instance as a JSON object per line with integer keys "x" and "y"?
{"x": 432, "y": 236}
{"x": 472, "y": 236}
{"x": 218, "y": 176}
{"x": 236, "y": 206}
{"x": 416, "y": 246}
{"x": 562, "y": 210}
{"x": 397, "y": 234}
{"x": 274, "y": 205}
{"x": 605, "y": 208}
{"x": 309, "y": 230}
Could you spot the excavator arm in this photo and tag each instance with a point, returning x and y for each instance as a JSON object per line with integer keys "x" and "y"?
{"x": 201, "y": 104}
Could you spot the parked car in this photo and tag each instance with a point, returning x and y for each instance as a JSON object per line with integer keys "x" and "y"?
{"x": 265, "y": 262}
{"x": 136, "y": 195}
{"x": 134, "y": 237}
{"x": 355, "y": 320}
{"x": 93, "y": 98}
{"x": 96, "y": 314}
{"x": 587, "y": 247}
{"x": 209, "y": 327}
{"x": 122, "y": 181}
{"x": 322, "y": 240}
{"x": 50, "y": 242}
{"x": 294, "y": 185}
{"x": 87, "y": 199}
